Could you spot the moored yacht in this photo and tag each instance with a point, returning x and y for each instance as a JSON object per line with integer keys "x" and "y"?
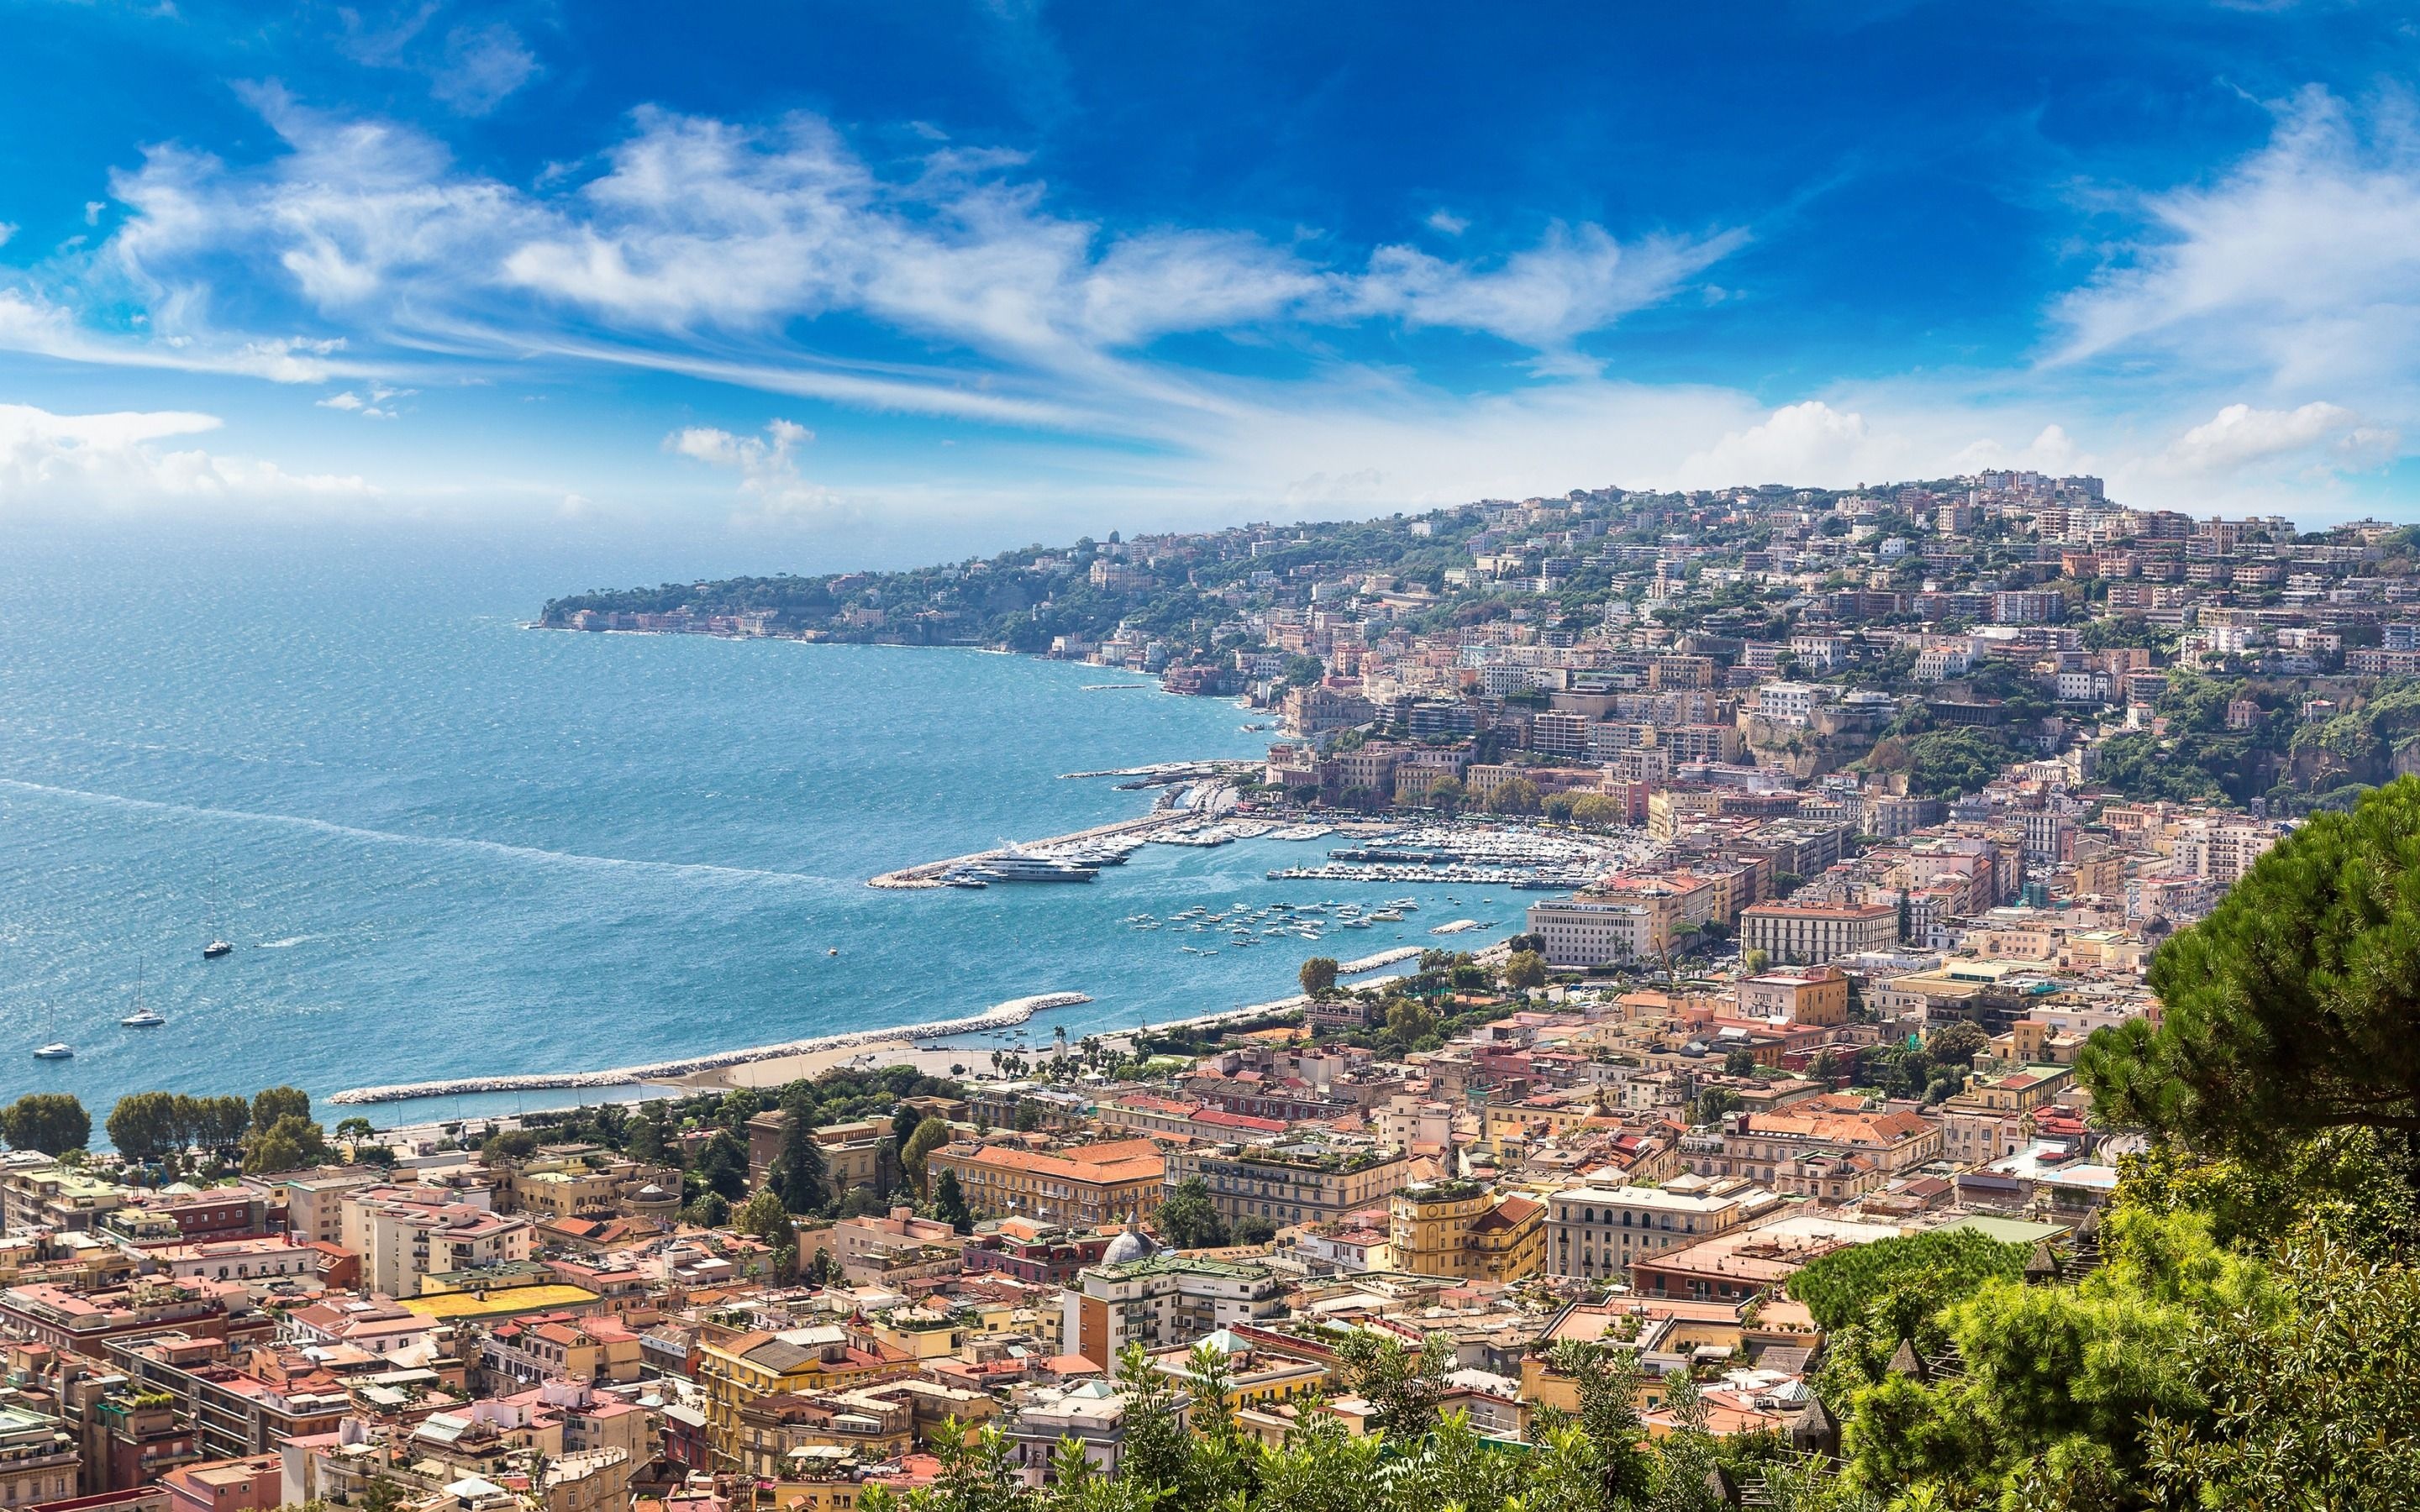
{"x": 1024, "y": 866}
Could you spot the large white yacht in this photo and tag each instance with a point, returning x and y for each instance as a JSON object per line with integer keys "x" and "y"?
{"x": 1024, "y": 866}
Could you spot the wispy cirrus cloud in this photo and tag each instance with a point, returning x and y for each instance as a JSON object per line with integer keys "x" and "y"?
{"x": 727, "y": 244}
{"x": 1574, "y": 281}
{"x": 2298, "y": 265}
{"x": 950, "y": 286}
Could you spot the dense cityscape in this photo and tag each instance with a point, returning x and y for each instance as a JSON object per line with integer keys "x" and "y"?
{"x": 1954, "y": 1054}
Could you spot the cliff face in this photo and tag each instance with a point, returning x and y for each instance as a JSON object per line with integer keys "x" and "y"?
{"x": 1836, "y": 737}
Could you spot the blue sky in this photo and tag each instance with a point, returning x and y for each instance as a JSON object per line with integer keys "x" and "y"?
{"x": 998, "y": 271}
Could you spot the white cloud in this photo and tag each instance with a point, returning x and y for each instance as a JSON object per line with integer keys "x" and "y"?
{"x": 377, "y": 406}
{"x": 711, "y": 243}
{"x": 2301, "y": 265}
{"x": 1572, "y": 283}
{"x": 2239, "y": 435}
{"x": 2052, "y": 450}
{"x": 1447, "y": 222}
{"x": 1797, "y": 441}
{"x": 31, "y": 324}
{"x": 770, "y": 487}
{"x": 472, "y": 70}
{"x": 7, "y": 229}
{"x": 80, "y": 463}
{"x": 483, "y": 65}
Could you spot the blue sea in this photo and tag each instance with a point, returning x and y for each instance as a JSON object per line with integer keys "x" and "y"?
{"x": 443, "y": 844}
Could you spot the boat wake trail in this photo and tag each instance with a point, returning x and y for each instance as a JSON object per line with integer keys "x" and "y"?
{"x": 448, "y": 842}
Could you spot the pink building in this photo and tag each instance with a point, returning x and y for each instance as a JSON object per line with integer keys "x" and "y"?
{"x": 249, "y": 1485}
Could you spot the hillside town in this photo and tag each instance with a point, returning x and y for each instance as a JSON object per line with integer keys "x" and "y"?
{"x": 1908, "y": 788}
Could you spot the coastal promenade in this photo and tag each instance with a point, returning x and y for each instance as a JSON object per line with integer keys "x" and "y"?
{"x": 1013, "y": 1011}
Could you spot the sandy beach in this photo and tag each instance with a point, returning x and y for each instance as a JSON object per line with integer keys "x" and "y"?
{"x": 782, "y": 1069}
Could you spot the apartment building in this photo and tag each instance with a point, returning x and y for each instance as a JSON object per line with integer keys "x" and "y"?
{"x": 742, "y": 1369}
{"x": 403, "y": 1235}
{"x": 1465, "y": 1229}
{"x": 1795, "y": 995}
{"x": 1287, "y": 1184}
{"x": 314, "y": 1199}
{"x": 1596, "y": 932}
{"x": 1080, "y": 1186}
{"x": 38, "y": 1460}
{"x": 1769, "y": 1148}
{"x": 1595, "y": 1232}
{"x": 1163, "y": 1300}
{"x": 1812, "y": 934}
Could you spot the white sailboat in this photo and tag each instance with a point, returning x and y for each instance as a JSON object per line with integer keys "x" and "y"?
{"x": 218, "y": 946}
{"x": 57, "y": 1049}
{"x": 141, "y": 1018}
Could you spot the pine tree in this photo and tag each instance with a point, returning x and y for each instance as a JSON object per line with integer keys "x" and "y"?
{"x": 949, "y": 1203}
{"x": 799, "y": 1169}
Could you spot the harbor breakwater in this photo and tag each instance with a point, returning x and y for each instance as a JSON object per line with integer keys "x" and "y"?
{"x": 1004, "y": 1015}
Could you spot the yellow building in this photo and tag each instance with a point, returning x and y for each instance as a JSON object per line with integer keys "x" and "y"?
{"x": 744, "y": 1369}
{"x": 1510, "y": 1238}
{"x": 1552, "y": 1114}
{"x": 1462, "y": 1229}
{"x": 1796, "y": 995}
{"x": 1258, "y": 1374}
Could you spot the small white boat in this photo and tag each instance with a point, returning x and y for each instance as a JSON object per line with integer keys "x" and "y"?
{"x": 217, "y": 948}
{"x": 56, "y": 1050}
{"x": 141, "y": 1018}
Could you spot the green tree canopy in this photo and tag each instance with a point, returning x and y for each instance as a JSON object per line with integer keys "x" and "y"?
{"x": 144, "y": 1126}
{"x": 799, "y": 1168}
{"x": 949, "y": 1203}
{"x": 1318, "y": 976}
{"x": 723, "y": 1165}
{"x": 292, "y": 1143}
{"x": 274, "y": 1103}
{"x": 1518, "y": 797}
{"x": 930, "y": 1136}
{"x": 1525, "y": 968}
{"x": 1188, "y": 1219}
{"x": 51, "y": 1122}
{"x": 2294, "y": 1006}
{"x": 1937, "y": 1267}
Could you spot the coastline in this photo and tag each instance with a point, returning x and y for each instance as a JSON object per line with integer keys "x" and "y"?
{"x": 907, "y": 1046}
{"x": 1001, "y": 1015}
